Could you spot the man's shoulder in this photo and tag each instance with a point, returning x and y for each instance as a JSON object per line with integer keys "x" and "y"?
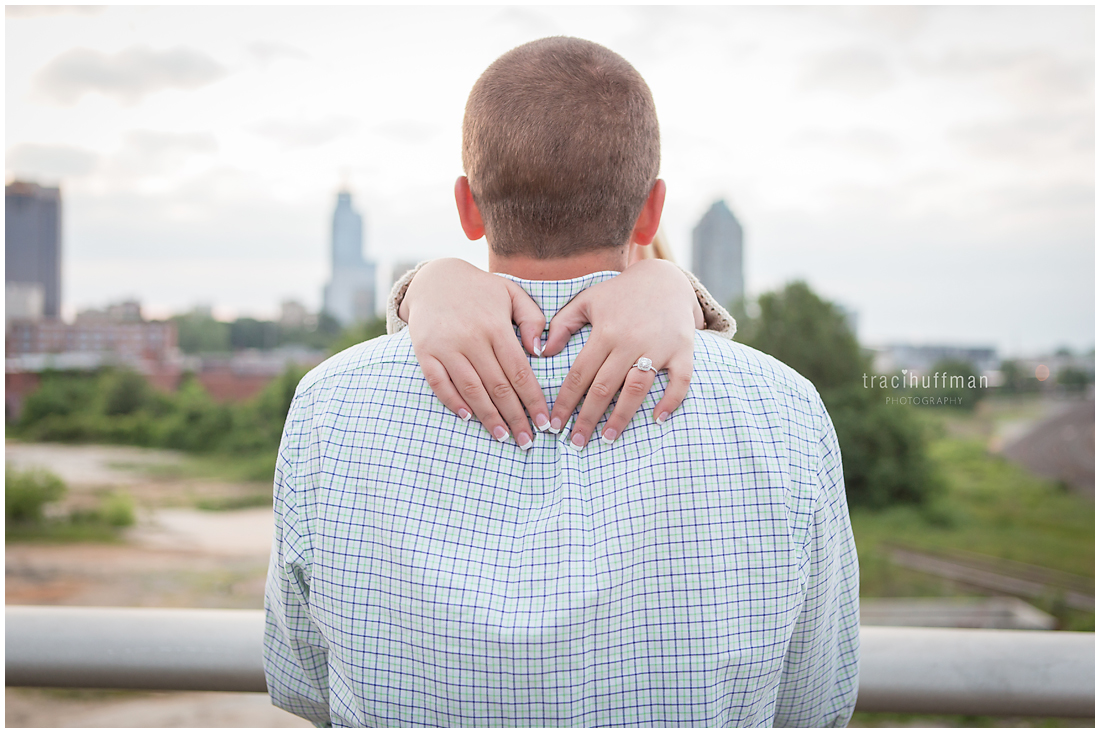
{"x": 357, "y": 361}
{"x": 720, "y": 361}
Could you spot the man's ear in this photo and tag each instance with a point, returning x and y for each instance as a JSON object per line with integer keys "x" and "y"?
{"x": 645, "y": 229}
{"x": 468, "y": 214}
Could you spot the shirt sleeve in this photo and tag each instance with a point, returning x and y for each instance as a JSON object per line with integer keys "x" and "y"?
{"x": 295, "y": 652}
{"x": 820, "y": 679}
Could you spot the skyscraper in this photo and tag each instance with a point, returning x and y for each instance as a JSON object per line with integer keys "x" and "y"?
{"x": 32, "y": 252}
{"x": 716, "y": 254}
{"x": 349, "y": 295}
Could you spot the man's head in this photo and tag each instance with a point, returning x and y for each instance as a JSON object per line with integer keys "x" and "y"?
{"x": 561, "y": 148}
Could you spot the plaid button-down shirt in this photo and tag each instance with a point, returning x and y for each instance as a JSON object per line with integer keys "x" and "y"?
{"x": 701, "y": 572}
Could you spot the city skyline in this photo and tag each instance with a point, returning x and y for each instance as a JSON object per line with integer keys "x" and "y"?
{"x": 929, "y": 168}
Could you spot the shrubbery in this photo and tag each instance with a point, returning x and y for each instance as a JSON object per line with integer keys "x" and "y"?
{"x": 883, "y": 445}
{"x": 119, "y": 406}
{"x": 28, "y": 492}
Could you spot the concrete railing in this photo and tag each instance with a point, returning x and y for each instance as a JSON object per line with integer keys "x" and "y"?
{"x": 903, "y": 670}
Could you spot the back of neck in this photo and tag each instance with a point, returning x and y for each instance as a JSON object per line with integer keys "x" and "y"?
{"x": 564, "y": 268}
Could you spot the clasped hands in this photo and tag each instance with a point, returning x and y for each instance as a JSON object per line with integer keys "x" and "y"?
{"x": 460, "y": 322}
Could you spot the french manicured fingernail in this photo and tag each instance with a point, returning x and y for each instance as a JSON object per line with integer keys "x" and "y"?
{"x": 661, "y": 418}
{"x": 538, "y": 346}
{"x": 577, "y": 441}
{"x": 555, "y": 425}
{"x": 500, "y": 433}
{"x": 464, "y": 414}
{"x": 541, "y": 422}
{"x": 525, "y": 441}
{"x": 609, "y": 436}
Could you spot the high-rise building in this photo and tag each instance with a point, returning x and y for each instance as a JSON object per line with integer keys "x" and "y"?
{"x": 32, "y": 251}
{"x": 717, "y": 255}
{"x": 349, "y": 295}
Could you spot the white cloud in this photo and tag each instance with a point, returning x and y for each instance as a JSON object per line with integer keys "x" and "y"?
{"x": 897, "y": 22}
{"x": 49, "y": 162}
{"x": 1042, "y": 138}
{"x": 267, "y": 51}
{"x": 1028, "y": 78}
{"x": 152, "y": 152}
{"x": 305, "y": 133}
{"x": 407, "y": 131}
{"x": 862, "y": 141}
{"x": 860, "y": 72}
{"x": 36, "y": 11}
{"x": 128, "y": 75}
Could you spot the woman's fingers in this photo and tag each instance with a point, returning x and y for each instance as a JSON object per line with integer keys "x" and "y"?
{"x": 649, "y": 310}
{"x": 503, "y": 391}
{"x": 633, "y": 393}
{"x": 460, "y": 383}
{"x": 479, "y": 386}
{"x": 577, "y": 382}
{"x": 528, "y": 317}
{"x": 440, "y": 382}
{"x": 511, "y": 365}
{"x": 566, "y": 322}
{"x": 460, "y": 323}
{"x": 616, "y": 375}
{"x": 679, "y": 378}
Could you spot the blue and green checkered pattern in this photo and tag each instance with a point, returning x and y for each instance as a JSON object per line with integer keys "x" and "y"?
{"x": 696, "y": 573}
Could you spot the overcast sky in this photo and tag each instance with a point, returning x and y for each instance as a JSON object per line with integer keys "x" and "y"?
{"x": 930, "y": 168}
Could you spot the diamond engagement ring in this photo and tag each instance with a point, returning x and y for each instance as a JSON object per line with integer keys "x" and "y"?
{"x": 645, "y": 364}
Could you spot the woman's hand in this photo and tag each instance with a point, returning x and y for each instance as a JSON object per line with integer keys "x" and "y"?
{"x": 650, "y": 310}
{"x": 460, "y": 323}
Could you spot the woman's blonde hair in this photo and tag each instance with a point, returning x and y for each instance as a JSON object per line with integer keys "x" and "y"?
{"x": 658, "y": 249}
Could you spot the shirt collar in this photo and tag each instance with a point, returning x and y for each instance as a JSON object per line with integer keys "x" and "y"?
{"x": 552, "y": 295}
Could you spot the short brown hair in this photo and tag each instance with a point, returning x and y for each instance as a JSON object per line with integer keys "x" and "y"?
{"x": 561, "y": 147}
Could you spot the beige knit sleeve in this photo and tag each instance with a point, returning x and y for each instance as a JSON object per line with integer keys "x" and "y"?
{"x": 717, "y": 318}
{"x": 394, "y": 324}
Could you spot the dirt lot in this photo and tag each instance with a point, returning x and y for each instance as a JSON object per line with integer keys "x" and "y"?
{"x": 176, "y": 556}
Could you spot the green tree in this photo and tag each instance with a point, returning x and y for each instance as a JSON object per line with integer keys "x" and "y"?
{"x": 197, "y": 422}
{"x": 1075, "y": 380}
{"x": 58, "y": 394}
{"x": 258, "y": 423}
{"x": 1016, "y": 379}
{"x": 198, "y": 333}
{"x": 359, "y": 333}
{"x": 884, "y": 450}
{"x": 124, "y": 392}
{"x": 883, "y": 446}
{"x": 249, "y": 333}
{"x": 320, "y": 335}
{"x": 806, "y": 333}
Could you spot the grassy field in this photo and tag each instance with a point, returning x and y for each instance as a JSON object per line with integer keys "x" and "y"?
{"x": 987, "y": 506}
